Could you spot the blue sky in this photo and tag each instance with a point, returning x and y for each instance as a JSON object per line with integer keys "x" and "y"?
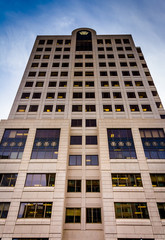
{"x": 22, "y": 20}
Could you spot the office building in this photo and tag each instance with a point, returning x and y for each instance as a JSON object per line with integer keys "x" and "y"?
{"x": 82, "y": 153}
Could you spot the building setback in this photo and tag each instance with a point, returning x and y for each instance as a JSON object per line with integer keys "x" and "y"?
{"x": 82, "y": 154}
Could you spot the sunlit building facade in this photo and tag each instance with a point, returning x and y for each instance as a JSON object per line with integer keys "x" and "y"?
{"x": 82, "y": 153}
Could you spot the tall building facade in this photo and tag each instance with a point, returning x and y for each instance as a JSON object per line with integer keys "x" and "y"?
{"x": 82, "y": 154}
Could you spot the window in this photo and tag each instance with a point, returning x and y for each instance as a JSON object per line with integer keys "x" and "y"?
{"x": 101, "y": 56}
{"x": 153, "y": 141}
{"x": 104, "y": 83}
{"x": 125, "y": 73}
{"x": 146, "y": 108}
{"x": 62, "y": 84}
{"x": 39, "y": 84}
{"x": 99, "y": 41}
{"x": 105, "y": 94}
{"x": 59, "y": 42}
{"x": 66, "y": 49}
{"x": 100, "y": 49}
{"x": 60, "y": 108}
{"x": 126, "y": 41}
{"x": 128, "y": 48}
{"x": 123, "y": 64}
{"x": 54, "y": 74}
{"x": 48, "y": 49}
{"x": 13, "y": 143}
{"x": 92, "y": 160}
{"x": 142, "y": 94}
{"x": 90, "y": 108}
{"x": 64, "y": 74}
{"x": 107, "y": 41}
{"x": 103, "y": 73}
{"x": 131, "y": 210}
{"x": 89, "y": 74}
{"x": 8, "y": 179}
{"x": 131, "y": 95}
{"x": 91, "y": 140}
{"x": 74, "y": 185}
{"x": 144, "y": 65}
{"x": 36, "y": 95}
{"x": 75, "y": 160}
{"x": 34, "y": 65}
{"x": 120, "y": 49}
{"x": 55, "y": 64}
{"x": 93, "y": 215}
{"x": 40, "y": 180}
{"x": 107, "y": 108}
{"x": 119, "y": 108}
{"x": 4, "y": 208}
{"x": 76, "y": 108}
{"x": 32, "y": 74}
{"x": 134, "y": 108}
{"x": 138, "y": 83}
{"x": 159, "y": 105}
{"x": 139, "y": 50}
{"x": 161, "y": 208}
{"x": 113, "y": 73}
{"x": 21, "y": 108}
{"x": 115, "y": 83}
{"x": 50, "y": 95}
{"x": 67, "y": 42}
{"x": 89, "y": 95}
{"x": 78, "y": 56}
{"x": 37, "y": 56}
{"x": 78, "y": 64}
{"x": 65, "y": 64}
{"x": 92, "y": 186}
{"x": 84, "y": 42}
{"x": 147, "y": 74}
{"x": 126, "y": 180}
{"x": 128, "y": 83}
{"x": 154, "y": 93}
{"x": 135, "y": 73}
{"x": 46, "y": 56}
{"x": 78, "y": 74}
{"x": 35, "y": 210}
{"x": 58, "y": 49}
{"x": 121, "y": 144}
{"x": 121, "y": 55}
{"x": 89, "y": 84}
{"x": 39, "y": 49}
{"x": 25, "y": 95}
{"x": 29, "y": 84}
{"x": 158, "y": 179}
{"x": 77, "y": 95}
{"x": 89, "y": 64}
{"x": 46, "y": 144}
{"x": 130, "y": 55}
{"x": 48, "y": 108}
{"x": 118, "y": 41}
{"x": 151, "y": 83}
{"x": 90, "y": 122}
{"x": 110, "y": 56}
{"x": 117, "y": 95}
{"x": 44, "y": 64}
{"x": 33, "y": 108}
{"x": 49, "y": 41}
{"x": 112, "y": 64}
{"x": 61, "y": 95}
{"x": 66, "y": 56}
{"x": 76, "y": 123}
{"x": 102, "y": 64}
{"x": 133, "y": 64}
{"x": 41, "y": 42}
{"x": 109, "y": 49}
{"x": 77, "y": 84}
{"x": 57, "y": 56}
{"x": 76, "y": 140}
{"x": 52, "y": 84}
{"x": 73, "y": 215}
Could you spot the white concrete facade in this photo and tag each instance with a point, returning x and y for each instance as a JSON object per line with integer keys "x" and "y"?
{"x": 110, "y": 228}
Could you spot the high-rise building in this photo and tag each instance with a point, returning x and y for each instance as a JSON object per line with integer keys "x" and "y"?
{"x": 82, "y": 154}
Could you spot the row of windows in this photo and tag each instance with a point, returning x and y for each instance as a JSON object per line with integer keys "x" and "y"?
{"x": 48, "y": 179}
{"x": 50, "y": 42}
{"x": 117, "y": 41}
{"x": 48, "y": 49}
{"x": 88, "y": 108}
{"x": 73, "y": 215}
{"x": 46, "y": 143}
{"x": 87, "y": 84}
{"x": 80, "y": 73}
